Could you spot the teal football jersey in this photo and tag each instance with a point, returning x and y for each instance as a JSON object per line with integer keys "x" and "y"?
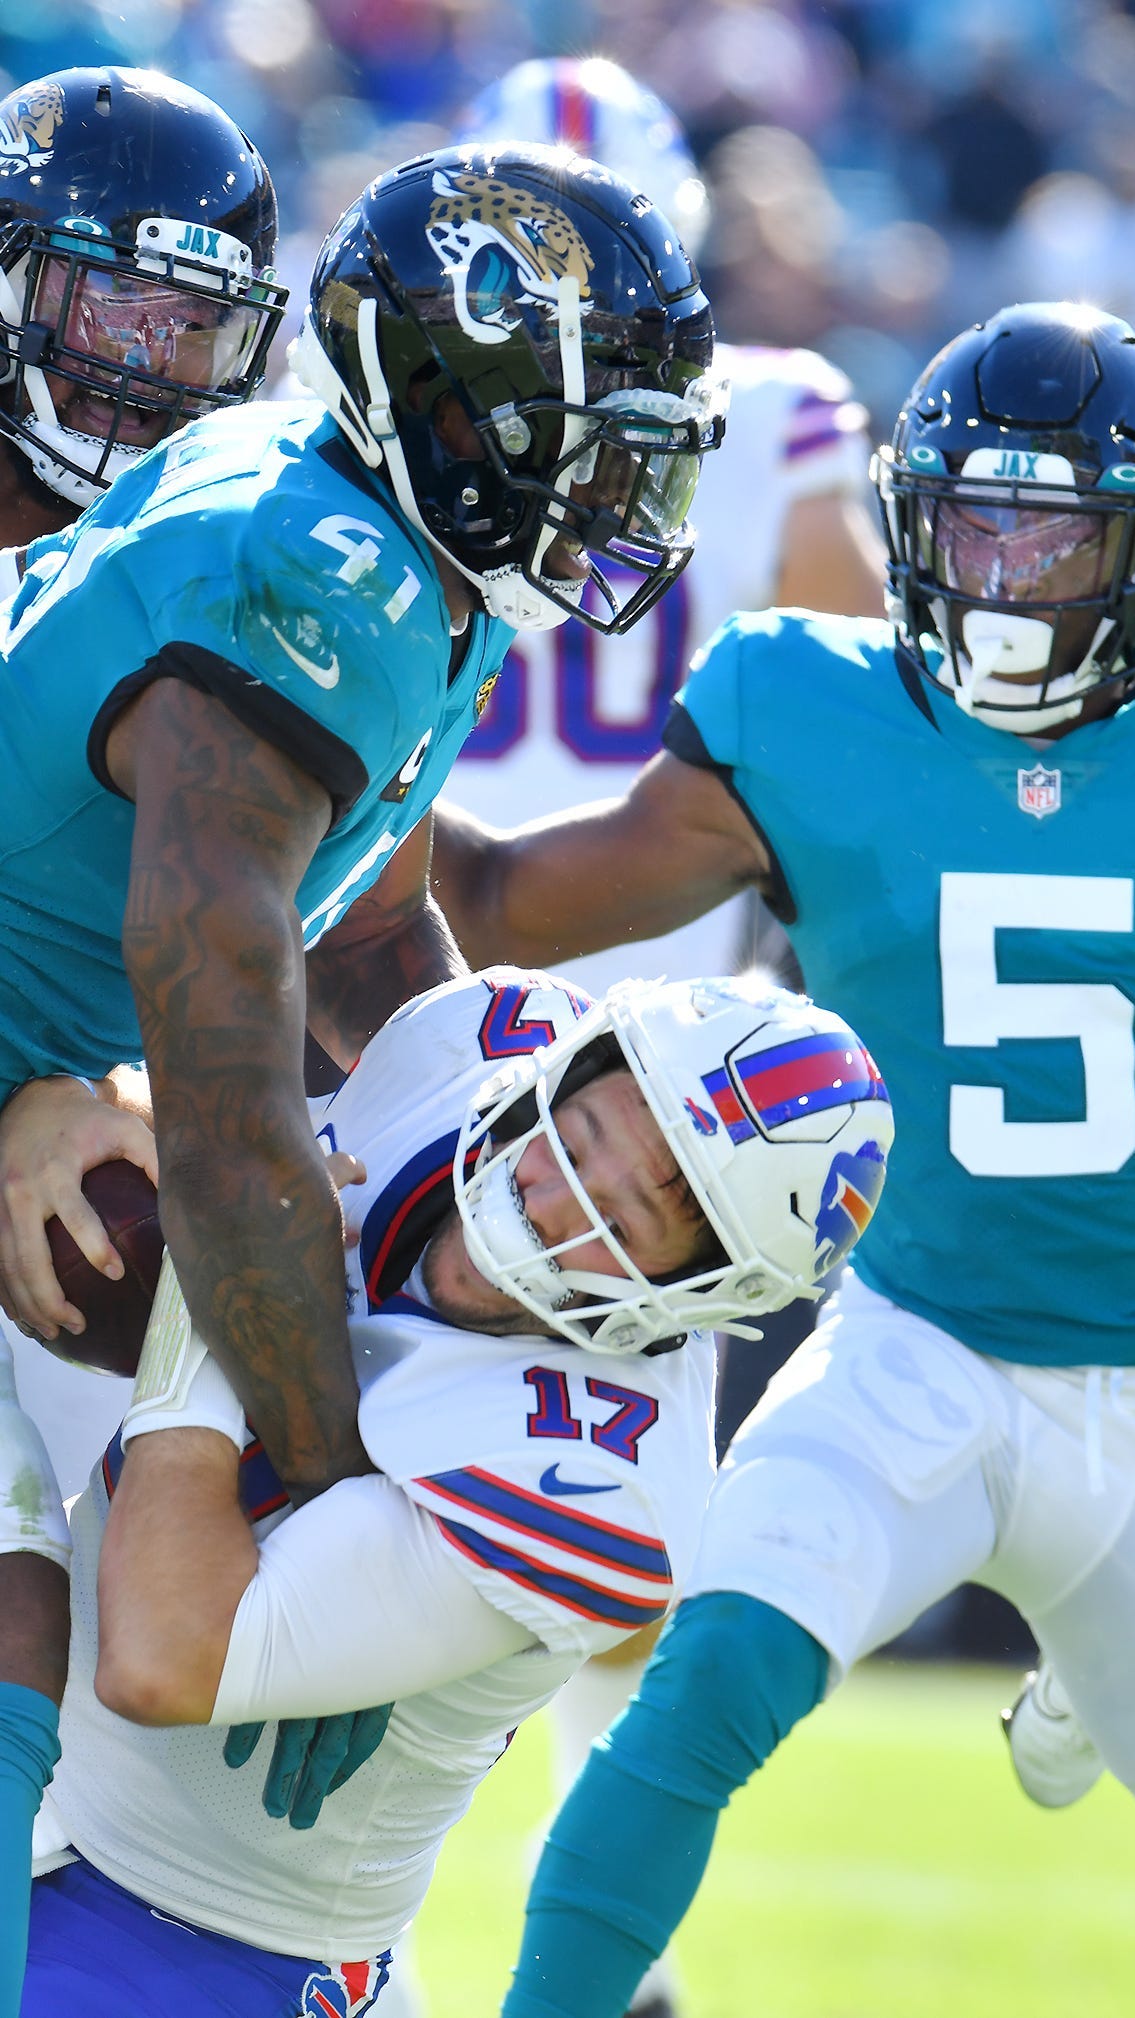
{"x": 253, "y": 557}
{"x": 965, "y": 899}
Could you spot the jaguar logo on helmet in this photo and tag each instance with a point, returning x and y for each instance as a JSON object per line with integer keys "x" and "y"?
{"x": 29, "y": 121}
{"x": 502, "y": 247}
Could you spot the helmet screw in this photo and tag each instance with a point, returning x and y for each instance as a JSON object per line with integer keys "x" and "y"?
{"x": 750, "y": 1286}
{"x": 469, "y": 496}
{"x": 623, "y": 1335}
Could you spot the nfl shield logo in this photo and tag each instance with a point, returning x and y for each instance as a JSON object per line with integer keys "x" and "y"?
{"x": 1038, "y": 791}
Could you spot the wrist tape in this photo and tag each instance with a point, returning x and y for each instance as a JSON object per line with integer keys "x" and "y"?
{"x": 178, "y": 1384}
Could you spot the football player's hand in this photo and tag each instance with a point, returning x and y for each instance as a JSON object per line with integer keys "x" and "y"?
{"x": 313, "y": 1757}
{"x": 52, "y": 1131}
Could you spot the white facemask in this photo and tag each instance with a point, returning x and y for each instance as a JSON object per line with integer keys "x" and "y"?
{"x": 498, "y": 1232}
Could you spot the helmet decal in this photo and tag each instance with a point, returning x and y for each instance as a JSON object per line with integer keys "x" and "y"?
{"x": 780, "y": 1088}
{"x": 593, "y": 405}
{"x": 704, "y": 1121}
{"x": 851, "y": 1193}
{"x": 28, "y": 125}
{"x": 597, "y": 108}
{"x": 501, "y": 246}
{"x": 83, "y": 227}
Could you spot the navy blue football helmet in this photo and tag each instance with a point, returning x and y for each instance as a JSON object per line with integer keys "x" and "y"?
{"x": 137, "y": 230}
{"x": 517, "y": 342}
{"x": 1008, "y": 498}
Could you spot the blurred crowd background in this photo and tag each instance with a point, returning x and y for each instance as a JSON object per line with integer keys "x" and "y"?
{"x": 882, "y": 171}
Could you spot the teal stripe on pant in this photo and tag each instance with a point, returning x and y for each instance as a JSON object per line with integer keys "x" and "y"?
{"x": 628, "y": 1849}
{"x": 29, "y": 1749}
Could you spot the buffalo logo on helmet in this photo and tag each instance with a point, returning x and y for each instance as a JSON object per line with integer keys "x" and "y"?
{"x": 503, "y": 247}
{"x": 345, "y": 1992}
{"x": 805, "y": 1090}
{"x": 850, "y": 1195}
{"x": 29, "y": 121}
{"x": 704, "y": 1122}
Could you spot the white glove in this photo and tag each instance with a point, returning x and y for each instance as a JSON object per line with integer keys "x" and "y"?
{"x": 178, "y": 1384}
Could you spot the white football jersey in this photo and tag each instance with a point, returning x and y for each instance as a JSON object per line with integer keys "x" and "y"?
{"x": 566, "y": 1487}
{"x": 575, "y": 715}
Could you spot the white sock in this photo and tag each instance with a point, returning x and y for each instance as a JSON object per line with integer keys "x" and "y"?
{"x": 582, "y": 1710}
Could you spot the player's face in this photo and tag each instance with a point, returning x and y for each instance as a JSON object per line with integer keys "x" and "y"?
{"x": 120, "y": 318}
{"x": 617, "y": 1150}
{"x": 1040, "y": 560}
{"x": 648, "y": 496}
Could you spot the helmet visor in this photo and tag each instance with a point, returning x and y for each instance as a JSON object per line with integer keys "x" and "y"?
{"x": 627, "y": 485}
{"x": 636, "y": 477}
{"x": 168, "y": 339}
{"x": 990, "y": 551}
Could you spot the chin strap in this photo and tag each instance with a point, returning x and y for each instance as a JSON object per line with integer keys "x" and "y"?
{"x": 35, "y": 383}
{"x": 575, "y": 394}
{"x": 38, "y": 442}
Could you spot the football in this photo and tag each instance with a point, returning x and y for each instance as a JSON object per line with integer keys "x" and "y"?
{"x": 116, "y": 1312}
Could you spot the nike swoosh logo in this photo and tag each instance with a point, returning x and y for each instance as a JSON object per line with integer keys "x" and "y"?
{"x": 550, "y": 1481}
{"x": 324, "y": 676}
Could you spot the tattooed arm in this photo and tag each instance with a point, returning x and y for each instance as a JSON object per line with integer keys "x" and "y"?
{"x": 393, "y": 943}
{"x": 225, "y": 828}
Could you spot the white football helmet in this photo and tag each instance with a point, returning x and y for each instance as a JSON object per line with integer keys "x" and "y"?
{"x": 775, "y": 1113}
{"x": 597, "y": 108}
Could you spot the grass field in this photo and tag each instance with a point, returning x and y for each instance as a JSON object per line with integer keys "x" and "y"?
{"x": 884, "y": 1865}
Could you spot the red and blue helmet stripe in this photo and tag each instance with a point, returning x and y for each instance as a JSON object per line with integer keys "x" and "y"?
{"x": 767, "y": 1089}
{"x": 573, "y": 108}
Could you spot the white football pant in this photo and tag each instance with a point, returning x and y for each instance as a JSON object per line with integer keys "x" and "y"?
{"x": 887, "y": 1463}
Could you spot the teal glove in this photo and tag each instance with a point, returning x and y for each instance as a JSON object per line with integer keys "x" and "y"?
{"x": 313, "y": 1757}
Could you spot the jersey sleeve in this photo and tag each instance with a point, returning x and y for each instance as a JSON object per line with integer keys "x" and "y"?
{"x": 718, "y": 711}
{"x": 577, "y": 1580}
{"x": 703, "y": 726}
{"x": 431, "y": 1056}
{"x": 359, "y": 643}
{"x": 356, "y": 1601}
{"x": 332, "y": 645}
